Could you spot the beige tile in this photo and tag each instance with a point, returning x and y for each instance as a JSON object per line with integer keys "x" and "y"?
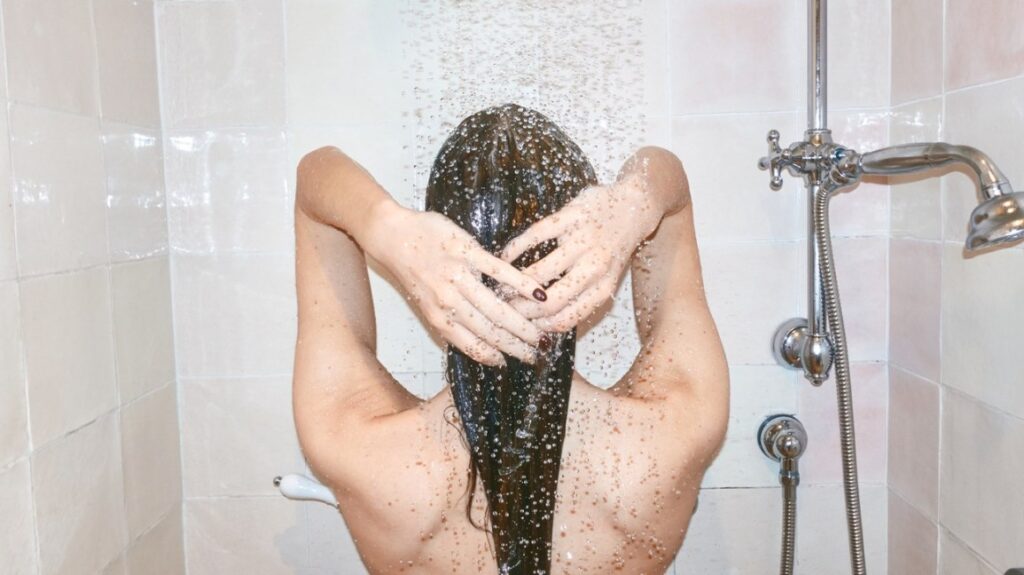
{"x": 330, "y": 544}
{"x": 981, "y": 468}
{"x": 8, "y": 254}
{"x": 981, "y": 321}
{"x": 916, "y": 49}
{"x": 51, "y": 54}
{"x": 3, "y": 65}
{"x": 750, "y": 210}
{"x": 227, "y": 192}
{"x": 143, "y": 330}
{"x": 222, "y": 63}
{"x": 116, "y": 567}
{"x": 955, "y": 558}
{"x": 17, "y": 531}
{"x": 606, "y": 345}
{"x": 990, "y": 118}
{"x": 752, "y": 288}
{"x": 914, "y": 441}
{"x": 822, "y": 543}
{"x": 160, "y": 551}
{"x": 657, "y": 70}
{"x": 862, "y": 266}
{"x": 14, "y": 437}
{"x": 916, "y": 201}
{"x": 401, "y": 337}
{"x": 237, "y": 435}
{"x": 234, "y": 314}
{"x": 59, "y": 190}
{"x": 137, "y": 210}
{"x": 244, "y": 535}
{"x": 756, "y": 392}
{"x": 726, "y": 534}
{"x": 915, "y": 289}
{"x": 152, "y": 460}
{"x": 913, "y": 540}
{"x": 332, "y": 43}
{"x": 821, "y": 462}
{"x": 713, "y": 44}
{"x": 126, "y": 47}
{"x": 67, "y": 329}
{"x": 983, "y": 45}
{"x": 658, "y": 131}
{"x": 79, "y": 499}
{"x": 858, "y": 54}
{"x": 373, "y": 146}
{"x": 736, "y": 531}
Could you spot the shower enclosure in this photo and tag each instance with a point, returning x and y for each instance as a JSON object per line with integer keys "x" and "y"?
{"x": 818, "y": 342}
{"x": 146, "y": 259}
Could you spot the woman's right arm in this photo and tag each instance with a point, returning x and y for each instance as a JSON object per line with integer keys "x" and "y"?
{"x": 437, "y": 263}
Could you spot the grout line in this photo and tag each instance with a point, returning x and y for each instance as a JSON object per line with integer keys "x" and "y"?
{"x": 171, "y": 258}
{"x": 943, "y": 213}
{"x": 108, "y": 268}
{"x": 27, "y": 456}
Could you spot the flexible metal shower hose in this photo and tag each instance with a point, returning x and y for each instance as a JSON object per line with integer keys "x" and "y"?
{"x": 844, "y": 397}
{"x": 788, "y": 529}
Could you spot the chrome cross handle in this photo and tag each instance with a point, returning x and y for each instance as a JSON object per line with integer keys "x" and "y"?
{"x": 776, "y": 159}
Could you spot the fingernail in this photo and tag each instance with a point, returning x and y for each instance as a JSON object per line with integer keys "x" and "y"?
{"x": 540, "y": 295}
{"x": 545, "y": 343}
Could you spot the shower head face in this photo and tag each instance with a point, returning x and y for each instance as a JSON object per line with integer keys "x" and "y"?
{"x": 997, "y": 220}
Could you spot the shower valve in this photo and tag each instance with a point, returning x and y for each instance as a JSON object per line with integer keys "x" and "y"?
{"x": 776, "y": 159}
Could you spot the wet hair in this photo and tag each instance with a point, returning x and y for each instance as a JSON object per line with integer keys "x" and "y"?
{"x": 501, "y": 170}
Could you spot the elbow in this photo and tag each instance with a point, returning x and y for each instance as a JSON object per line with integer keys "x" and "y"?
{"x": 672, "y": 173}
{"x": 311, "y": 170}
{"x": 314, "y": 162}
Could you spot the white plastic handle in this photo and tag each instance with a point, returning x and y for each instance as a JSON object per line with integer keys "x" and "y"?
{"x": 297, "y": 486}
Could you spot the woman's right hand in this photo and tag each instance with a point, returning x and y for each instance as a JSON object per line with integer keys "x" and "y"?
{"x": 440, "y": 266}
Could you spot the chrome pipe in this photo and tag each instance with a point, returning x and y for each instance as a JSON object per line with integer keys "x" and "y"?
{"x": 911, "y": 158}
{"x": 817, "y": 65}
{"x": 782, "y": 438}
{"x": 844, "y": 388}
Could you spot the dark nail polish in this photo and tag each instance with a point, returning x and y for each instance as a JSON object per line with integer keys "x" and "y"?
{"x": 544, "y": 345}
{"x": 540, "y": 295}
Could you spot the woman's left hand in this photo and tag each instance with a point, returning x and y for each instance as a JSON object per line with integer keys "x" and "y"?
{"x": 597, "y": 233}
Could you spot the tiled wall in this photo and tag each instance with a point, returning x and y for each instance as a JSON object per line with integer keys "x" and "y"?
{"x": 248, "y": 87}
{"x": 956, "y": 402}
{"x": 736, "y": 69}
{"x": 89, "y": 456}
{"x": 90, "y": 253}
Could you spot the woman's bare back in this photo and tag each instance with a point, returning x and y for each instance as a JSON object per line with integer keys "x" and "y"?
{"x": 629, "y": 475}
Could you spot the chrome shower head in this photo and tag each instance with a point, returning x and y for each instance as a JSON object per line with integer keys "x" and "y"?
{"x": 997, "y": 220}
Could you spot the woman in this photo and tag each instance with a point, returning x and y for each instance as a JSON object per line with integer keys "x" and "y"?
{"x": 518, "y": 246}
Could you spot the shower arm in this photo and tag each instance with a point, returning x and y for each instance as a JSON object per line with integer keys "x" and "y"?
{"x": 913, "y": 158}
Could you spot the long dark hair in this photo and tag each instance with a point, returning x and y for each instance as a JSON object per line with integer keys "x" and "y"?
{"x": 501, "y": 170}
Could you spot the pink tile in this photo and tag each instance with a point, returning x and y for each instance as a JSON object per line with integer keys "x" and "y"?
{"x": 914, "y": 441}
{"x": 736, "y": 55}
{"x": 916, "y": 49}
{"x": 858, "y": 53}
{"x": 984, "y": 42}
{"x": 861, "y": 269}
{"x": 916, "y": 202}
{"x": 221, "y": 63}
{"x": 980, "y": 491}
{"x": 913, "y": 540}
{"x": 990, "y": 118}
{"x": 821, "y": 464}
{"x": 915, "y": 281}
{"x": 863, "y": 210}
